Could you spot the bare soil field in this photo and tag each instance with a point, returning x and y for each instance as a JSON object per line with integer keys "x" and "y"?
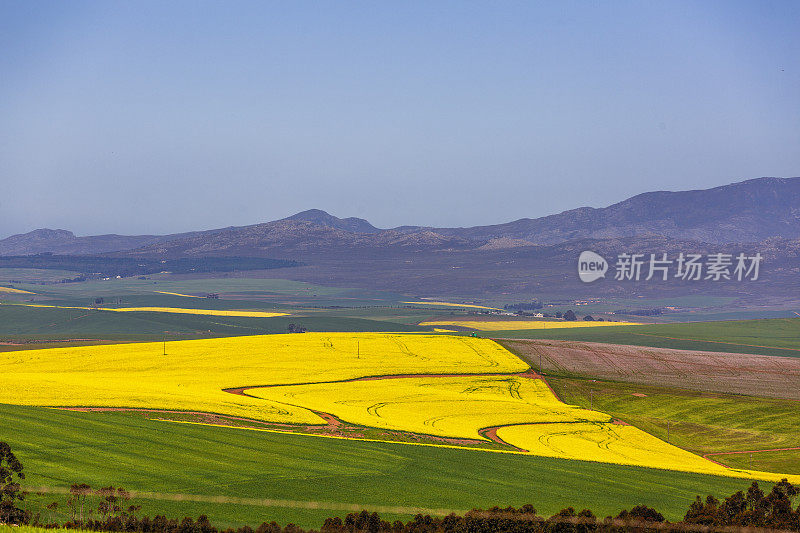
{"x": 756, "y": 375}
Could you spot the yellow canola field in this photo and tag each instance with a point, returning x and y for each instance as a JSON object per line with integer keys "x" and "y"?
{"x": 524, "y": 412}
{"x": 501, "y": 325}
{"x": 11, "y": 290}
{"x": 177, "y": 310}
{"x": 450, "y": 406}
{"x": 453, "y": 305}
{"x": 193, "y": 373}
{"x": 620, "y": 444}
{"x": 178, "y": 294}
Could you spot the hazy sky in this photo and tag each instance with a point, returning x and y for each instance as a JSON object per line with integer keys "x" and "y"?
{"x": 159, "y": 117}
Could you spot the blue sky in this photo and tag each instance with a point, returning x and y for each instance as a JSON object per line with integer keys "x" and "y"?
{"x": 159, "y": 117}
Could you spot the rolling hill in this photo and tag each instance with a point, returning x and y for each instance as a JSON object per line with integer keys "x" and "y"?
{"x": 745, "y": 212}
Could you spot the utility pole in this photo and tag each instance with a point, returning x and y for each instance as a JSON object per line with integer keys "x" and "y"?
{"x": 591, "y": 399}
{"x": 358, "y": 349}
{"x": 165, "y": 343}
{"x": 668, "y": 424}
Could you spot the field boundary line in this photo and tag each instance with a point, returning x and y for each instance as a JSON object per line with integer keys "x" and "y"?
{"x": 266, "y": 502}
{"x": 339, "y": 437}
{"x": 530, "y": 374}
{"x": 736, "y": 473}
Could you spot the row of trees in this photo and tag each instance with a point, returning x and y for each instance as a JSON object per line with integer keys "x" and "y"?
{"x": 742, "y": 510}
{"x": 11, "y": 495}
{"x": 525, "y": 306}
{"x": 751, "y": 512}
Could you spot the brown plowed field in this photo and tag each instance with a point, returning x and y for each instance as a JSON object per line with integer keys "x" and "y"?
{"x": 756, "y": 375}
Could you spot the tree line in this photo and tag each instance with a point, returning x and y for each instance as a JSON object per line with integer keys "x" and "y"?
{"x": 110, "y": 509}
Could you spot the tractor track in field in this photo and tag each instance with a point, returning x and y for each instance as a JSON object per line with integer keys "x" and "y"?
{"x": 491, "y": 434}
{"x": 530, "y": 373}
{"x": 335, "y": 424}
{"x": 206, "y": 416}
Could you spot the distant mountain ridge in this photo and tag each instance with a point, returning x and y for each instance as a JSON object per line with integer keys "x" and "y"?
{"x": 748, "y": 211}
{"x": 744, "y": 212}
{"x": 321, "y": 218}
{"x": 59, "y": 241}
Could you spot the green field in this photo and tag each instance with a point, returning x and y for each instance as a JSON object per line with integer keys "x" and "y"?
{"x": 314, "y": 307}
{"x": 699, "y": 422}
{"x": 59, "y": 448}
{"x": 25, "y": 529}
{"x": 33, "y": 275}
{"x": 779, "y": 337}
{"x": 270, "y": 289}
{"x": 19, "y": 323}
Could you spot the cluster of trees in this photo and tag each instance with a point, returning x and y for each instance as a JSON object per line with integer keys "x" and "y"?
{"x": 749, "y": 509}
{"x": 113, "y": 512}
{"x": 296, "y": 328}
{"x": 11, "y": 495}
{"x": 531, "y": 306}
{"x": 640, "y": 312}
{"x": 749, "y": 512}
{"x": 571, "y": 316}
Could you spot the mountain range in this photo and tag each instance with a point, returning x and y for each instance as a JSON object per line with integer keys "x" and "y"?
{"x": 745, "y": 212}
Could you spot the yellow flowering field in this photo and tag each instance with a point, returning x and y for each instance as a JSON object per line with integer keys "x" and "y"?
{"x": 500, "y": 325}
{"x": 178, "y": 310}
{"x": 194, "y": 373}
{"x": 523, "y": 411}
{"x": 451, "y": 406}
{"x": 611, "y": 443}
{"x": 12, "y": 290}
{"x": 620, "y": 444}
{"x": 178, "y": 294}
{"x": 448, "y": 304}
{"x": 448, "y": 386}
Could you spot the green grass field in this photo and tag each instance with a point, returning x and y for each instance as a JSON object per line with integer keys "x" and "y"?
{"x": 19, "y": 323}
{"x": 315, "y": 307}
{"x": 699, "y": 422}
{"x": 58, "y": 448}
{"x": 26, "y": 529}
{"x": 268, "y": 289}
{"x": 779, "y": 337}
{"x": 33, "y": 275}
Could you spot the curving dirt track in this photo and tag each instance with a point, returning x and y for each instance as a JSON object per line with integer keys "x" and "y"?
{"x": 335, "y": 424}
{"x": 491, "y": 434}
{"x": 530, "y": 373}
